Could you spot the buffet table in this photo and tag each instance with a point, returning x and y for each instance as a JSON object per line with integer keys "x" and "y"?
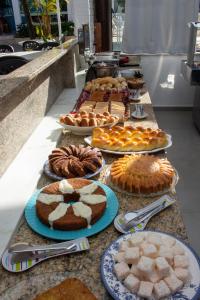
{"x": 86, "y": 265}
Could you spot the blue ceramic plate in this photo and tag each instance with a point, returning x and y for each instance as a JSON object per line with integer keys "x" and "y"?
{"x": 118, "y": 291}
{"x": 102, "y": 223}
{"x": 53, "y": 176}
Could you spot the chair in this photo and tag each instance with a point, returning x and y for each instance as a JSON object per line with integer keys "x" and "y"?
{"x": 49, "y": 45}
{"x": 30, "y": 46}
{"x": 10, "y": 63}
{"x": 6, "y": 48}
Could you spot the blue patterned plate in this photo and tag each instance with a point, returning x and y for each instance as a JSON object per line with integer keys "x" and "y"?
{"x": 102, "y": 223}
{"x": 118, "y": 291}
{"x": 53, "y": 176}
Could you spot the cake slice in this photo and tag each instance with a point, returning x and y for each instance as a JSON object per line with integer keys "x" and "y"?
{"x": 69, "y": 289}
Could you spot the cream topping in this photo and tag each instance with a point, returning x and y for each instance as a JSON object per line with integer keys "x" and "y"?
{"x": 82, "y": 210}
{"x": 50, "y": 198}
{"x": 88, "y": 189}
{"x": 93, "y": 199}
{"x": 58, "y": 213}
{"x": 65, "y": 187}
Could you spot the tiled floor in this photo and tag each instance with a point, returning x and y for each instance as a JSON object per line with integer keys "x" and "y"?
{"x": 185, "y": 156}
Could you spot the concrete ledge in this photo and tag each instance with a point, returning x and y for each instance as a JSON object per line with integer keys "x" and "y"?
{"x": 27, "y": 95}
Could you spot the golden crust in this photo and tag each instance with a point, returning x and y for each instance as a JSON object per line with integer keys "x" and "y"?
{"x": 143, "y": 174}
{"x": 127, "y": 138}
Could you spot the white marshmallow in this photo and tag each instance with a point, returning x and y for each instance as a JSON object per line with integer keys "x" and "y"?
{"x": 162, "y": 266}
{"x": 135, "y": 271}
{"x": 154, "y": 239}
{"x": 145, "y": 265}
{"x": 161, "y": 290}
{"x": 136, "y": 239}
{"x": 121, "y": 270}
{"x": 149, "y": 250}
{"x": 145, "y": 289}
{"x": 178, "y": 250}
{"x": 181, "y": 261}
{"x": 119, "y": 256}
{"x": 168, "y": 241}
{"x": 173, "y": 283}
{"x": 132, "y": 255}
{"x": 182, "y": 274}
{"x": 123, "y": 246}
{"x": 167, "y": 253}
{"x": 154, "y": 277}
{"x": 132, "y": 283}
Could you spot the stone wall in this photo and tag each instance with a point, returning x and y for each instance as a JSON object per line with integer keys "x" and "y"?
{"x": 23, "y": 107}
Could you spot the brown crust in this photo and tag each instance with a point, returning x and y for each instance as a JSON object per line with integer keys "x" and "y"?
{"x": 69, "y": 289}
{"x": 69, "y": 221}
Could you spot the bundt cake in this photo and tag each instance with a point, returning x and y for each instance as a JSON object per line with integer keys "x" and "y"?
{"x": 71, "y": 204}
{"x": 75, "y": 161}
{"x": 143, "y": 174}
{"x": 128, "y": 138}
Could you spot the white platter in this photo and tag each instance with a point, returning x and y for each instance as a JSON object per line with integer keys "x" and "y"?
{"x": 191, "y": 290}
{"x": 77, "y": 130}
{"x": 88, "y": 141}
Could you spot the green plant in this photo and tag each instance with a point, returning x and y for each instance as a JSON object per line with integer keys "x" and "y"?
{"x": 68, "y": 28}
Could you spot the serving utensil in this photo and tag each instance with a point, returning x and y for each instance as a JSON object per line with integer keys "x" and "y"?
{"x": 22, "y": 256}
{"x": 137, "y": 220}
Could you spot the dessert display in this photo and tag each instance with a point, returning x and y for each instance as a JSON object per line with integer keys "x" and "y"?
{"x": 117, "y": 84}
{"x": 116, "y": 97}
{"x": 69, "y": 289}
{"x": 143, "y": 174}
{"x": 71, "y": 204}
{"x": 75, "y": 161}
{"x": 128, "y": 138}
{"x": 152, "y": 265}
{"x": 135, "y": 83}
{"x": 98, "y": 96}
{"x": 88, "y": 106}
{"x": 117, "y": 108}
{"x": 84, "y": 119}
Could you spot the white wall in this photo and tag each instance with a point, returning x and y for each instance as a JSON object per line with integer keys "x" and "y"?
{"x": 78, "y": 12}
{"x": 156, "y": 70}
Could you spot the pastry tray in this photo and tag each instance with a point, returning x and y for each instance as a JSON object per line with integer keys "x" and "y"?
{"x": 88, "y": 141}
{"x": 117, "y": 189}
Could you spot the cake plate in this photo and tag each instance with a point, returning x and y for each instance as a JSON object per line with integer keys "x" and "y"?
{"x": 107, "y": 218}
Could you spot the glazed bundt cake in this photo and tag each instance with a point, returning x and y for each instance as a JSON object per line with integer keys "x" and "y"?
{"x": 71, "y": 204}
{"x": 75, "y": 161}
{"x": 143, "y": 174}
{"x": 128, "y": 138}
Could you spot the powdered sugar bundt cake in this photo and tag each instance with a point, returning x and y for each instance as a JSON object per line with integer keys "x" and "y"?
{"x": 71, "y": 204}
{"x": 142, "y": 173}
{"x": 75, "y": 161}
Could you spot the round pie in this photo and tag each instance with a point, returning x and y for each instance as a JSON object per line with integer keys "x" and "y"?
{"x": 75, "y": 161}
{"x": 71, "y": 204}
{"x": 143, "y": 174}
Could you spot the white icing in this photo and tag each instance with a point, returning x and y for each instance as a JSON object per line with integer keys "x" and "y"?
{"x": 82, "y": 210}
{"x": 92, "y": 199}
{"x": 58, "y": 213}
{"x": 88, "y": 189}
{"x": 50, "y": 198}
{"x": 65, "y": 187}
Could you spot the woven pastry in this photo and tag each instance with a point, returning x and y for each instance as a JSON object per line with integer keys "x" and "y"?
{"x": 128, "y": 138}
